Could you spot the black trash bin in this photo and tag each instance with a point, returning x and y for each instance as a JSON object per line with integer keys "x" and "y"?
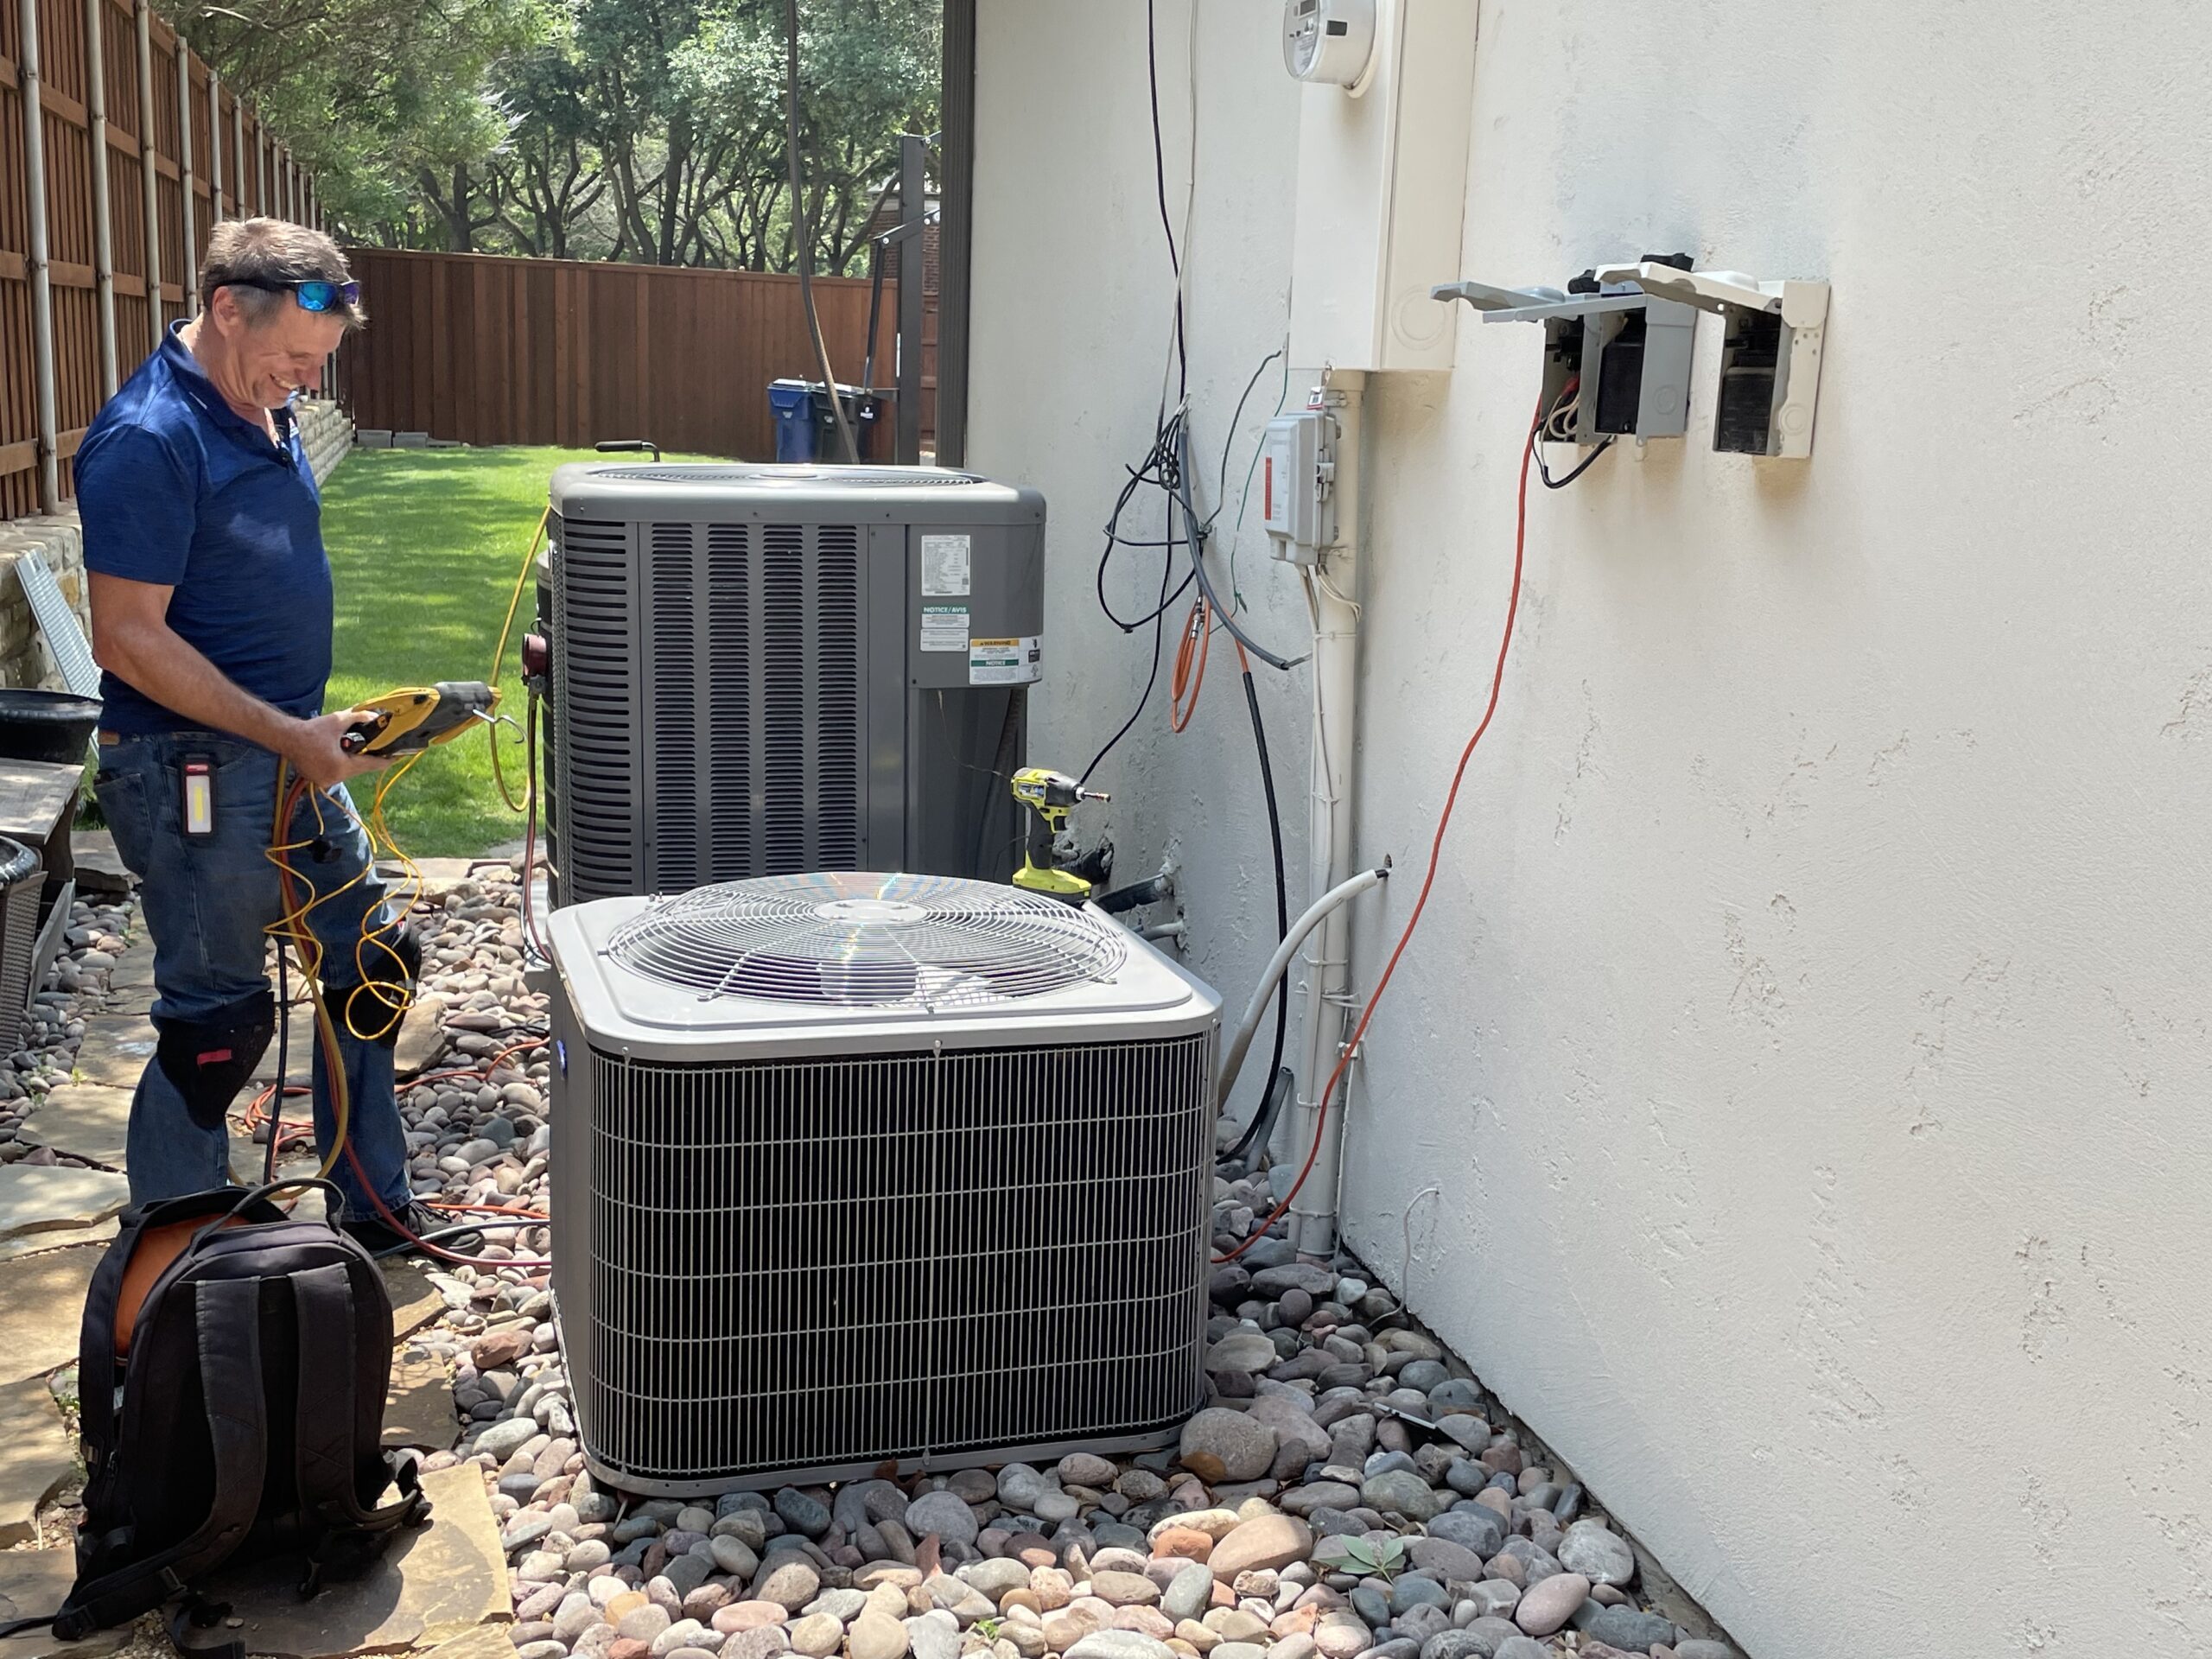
{"x": 862, "y": 408}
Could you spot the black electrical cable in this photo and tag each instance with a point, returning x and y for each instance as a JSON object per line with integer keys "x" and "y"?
{"x": 1160, "y": 183}
{"x": 1159, "y": 639}
{"x": 1157, "y": 469}
{"x": 1195, "y": 532}
{"x": 1586, "y": 464}
{"x": 1263, "y": 1113}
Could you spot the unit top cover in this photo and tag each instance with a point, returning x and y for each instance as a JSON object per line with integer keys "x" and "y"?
{"x": 723, "y": 490}
{"x": 836, "y": 952}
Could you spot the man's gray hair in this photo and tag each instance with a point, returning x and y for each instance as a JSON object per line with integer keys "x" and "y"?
{"x": 272, "y": 251}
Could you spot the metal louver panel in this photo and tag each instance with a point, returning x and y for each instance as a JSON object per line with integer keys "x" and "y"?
{"x": 596, "y": 707}
{"x": 808, "y": 800}
{"x": 826, "y": 1264}
{"x": 730, "y": 814}
{"x": 672, "y": 668}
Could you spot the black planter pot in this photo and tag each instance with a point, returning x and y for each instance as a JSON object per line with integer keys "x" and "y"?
{"x": 45, "y": 725}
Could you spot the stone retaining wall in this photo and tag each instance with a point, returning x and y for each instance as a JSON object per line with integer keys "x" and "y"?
{"x": 325, "y": 428}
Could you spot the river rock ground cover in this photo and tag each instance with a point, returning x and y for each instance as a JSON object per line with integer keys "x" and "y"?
{"x": 1351, "y": 1491}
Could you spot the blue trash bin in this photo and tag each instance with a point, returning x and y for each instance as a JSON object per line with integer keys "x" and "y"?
{"x": 791, "y": 402}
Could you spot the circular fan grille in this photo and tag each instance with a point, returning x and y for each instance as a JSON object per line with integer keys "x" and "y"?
{"x": 865, "y": 478}
{"x": 868, "y": 941}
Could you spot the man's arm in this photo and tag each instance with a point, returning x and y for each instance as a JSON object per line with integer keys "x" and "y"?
{"x": 132, "y": 639}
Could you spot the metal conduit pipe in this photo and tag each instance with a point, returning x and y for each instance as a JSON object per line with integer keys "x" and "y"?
{"x": 49, "y": 459}
{"x": 1336, "y": 688}
{"x": 1232, "y": 1060}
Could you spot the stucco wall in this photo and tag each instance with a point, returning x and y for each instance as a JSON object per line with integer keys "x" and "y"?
{"x": 1807, "y": 1039}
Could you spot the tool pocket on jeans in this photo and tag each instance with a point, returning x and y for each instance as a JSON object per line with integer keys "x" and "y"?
{"x": 122, "y": 797}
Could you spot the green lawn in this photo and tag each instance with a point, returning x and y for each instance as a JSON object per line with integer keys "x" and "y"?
{"x": 425, "y": 545}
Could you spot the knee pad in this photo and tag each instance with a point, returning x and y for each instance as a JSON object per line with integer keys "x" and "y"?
{"x": 372, "y": 1010}
{"x": 209, "y": 1060}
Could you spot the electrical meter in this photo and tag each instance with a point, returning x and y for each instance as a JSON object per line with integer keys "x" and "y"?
{"x": 1328, "y": 40}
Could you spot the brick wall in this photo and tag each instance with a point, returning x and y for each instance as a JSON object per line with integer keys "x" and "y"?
{"x": 327, "y": 432}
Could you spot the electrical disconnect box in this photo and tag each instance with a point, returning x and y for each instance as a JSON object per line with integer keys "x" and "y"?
{"x": 1297, "y": 483}
{"x": 1617, "y": 360}
{"x": 1381, "y": 180}
{"x": 1770, "y": 351}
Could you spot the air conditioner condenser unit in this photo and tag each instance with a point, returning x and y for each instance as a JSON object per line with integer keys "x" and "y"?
{"x": 860, "y": 1169}
{"x": 764, "y": 669}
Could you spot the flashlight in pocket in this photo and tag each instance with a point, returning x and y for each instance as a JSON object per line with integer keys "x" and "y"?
{"x": 199, "y": 797}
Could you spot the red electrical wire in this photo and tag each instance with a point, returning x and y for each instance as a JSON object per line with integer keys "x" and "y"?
{"x": 1435, "y": 855}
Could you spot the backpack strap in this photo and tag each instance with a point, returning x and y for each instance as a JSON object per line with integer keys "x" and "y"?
{"x": 227, "y": 1313}
{"x": 329, "y": 1462}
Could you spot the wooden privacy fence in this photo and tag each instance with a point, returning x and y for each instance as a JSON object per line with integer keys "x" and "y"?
{"x": 118, "y": 151}
{"x": 486, "y": 349}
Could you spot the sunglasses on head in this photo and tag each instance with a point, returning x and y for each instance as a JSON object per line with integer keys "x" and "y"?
{"x": 313, "y": 295}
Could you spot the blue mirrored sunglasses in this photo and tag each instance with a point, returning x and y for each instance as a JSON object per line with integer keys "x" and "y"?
{"x": 316, "y": 295}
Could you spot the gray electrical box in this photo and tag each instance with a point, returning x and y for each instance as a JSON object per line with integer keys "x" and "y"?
{"x": 761, "y": 670}
{"x": 1624, "y": 353}
{"x": 1297, "y": 482}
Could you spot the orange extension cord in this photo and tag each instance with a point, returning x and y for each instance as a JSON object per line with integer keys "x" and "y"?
{"x": 1435, "y": 856}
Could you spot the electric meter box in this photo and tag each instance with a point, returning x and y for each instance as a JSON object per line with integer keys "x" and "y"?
{"x": 1297, "y": 473}
{"x": 1382, "y": 195}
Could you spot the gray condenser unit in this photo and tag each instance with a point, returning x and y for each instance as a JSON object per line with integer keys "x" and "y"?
{"x": 858, "y": 1171}
{"x": 759, "y": 670}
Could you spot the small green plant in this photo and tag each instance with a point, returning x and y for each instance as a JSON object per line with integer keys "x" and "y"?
{"x": 987, "y": 1629}
{"x": 1370, "y": 1557}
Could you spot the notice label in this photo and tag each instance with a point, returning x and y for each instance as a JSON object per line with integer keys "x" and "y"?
{"x": 1005, "y": 662}
{"x": 945, "y": 627}
{"x": 944, "y": 567}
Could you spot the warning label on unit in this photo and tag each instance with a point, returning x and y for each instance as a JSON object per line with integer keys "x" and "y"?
{"x": 944, "y": 567}
{"x": 1005, "y": 662}
{"x": 945, "y": 627}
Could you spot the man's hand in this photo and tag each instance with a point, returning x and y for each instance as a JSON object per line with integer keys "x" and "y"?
{"x": 314, "y": 750}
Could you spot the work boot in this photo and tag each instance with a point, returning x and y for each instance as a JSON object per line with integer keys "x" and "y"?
{"x": 417, "y": 1222}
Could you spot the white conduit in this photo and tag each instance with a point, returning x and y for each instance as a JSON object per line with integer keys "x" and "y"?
{"x": 1233, "y": 1056}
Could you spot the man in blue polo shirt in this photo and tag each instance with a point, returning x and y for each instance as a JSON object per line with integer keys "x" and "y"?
{"x": 211, "y": 599}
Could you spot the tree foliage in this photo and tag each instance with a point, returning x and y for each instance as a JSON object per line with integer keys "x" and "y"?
{"x": 651, "y": 131}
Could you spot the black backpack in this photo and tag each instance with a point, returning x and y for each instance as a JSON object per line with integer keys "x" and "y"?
{"x": 232, "y": 1371}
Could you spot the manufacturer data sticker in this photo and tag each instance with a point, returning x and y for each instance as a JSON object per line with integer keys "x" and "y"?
{"x": 945, "y": 627}
{"x": 1005, "y": 662}
{"x": 944, "y": 567}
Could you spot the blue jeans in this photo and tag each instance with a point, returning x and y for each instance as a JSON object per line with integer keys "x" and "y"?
{"x": 208, "y": 902}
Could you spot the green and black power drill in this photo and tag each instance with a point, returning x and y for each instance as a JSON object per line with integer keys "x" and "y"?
{"x": 1050, "y": 796}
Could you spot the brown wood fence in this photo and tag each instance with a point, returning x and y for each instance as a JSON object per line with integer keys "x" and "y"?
{"x": 109, "y": 76}
{"x": 492, "y": 350}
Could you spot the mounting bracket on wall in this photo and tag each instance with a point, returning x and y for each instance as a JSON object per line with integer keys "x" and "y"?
{"x": 1625, "y": 352}
{"x": 1771, "y": 351}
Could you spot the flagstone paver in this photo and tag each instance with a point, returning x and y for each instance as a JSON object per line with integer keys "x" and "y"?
{"x": 89, "y": 1120}
{"x": 42, "y": 1303}
{"x": 58, "y": 1199}
{"x": 32, "y": 1584}
{"x": 36, "y": 1456}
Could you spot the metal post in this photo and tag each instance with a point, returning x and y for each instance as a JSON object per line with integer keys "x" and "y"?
{"x": 913, "y": 195}
{"x": 156, "y": 327}
{"x": 184, "y": 174}
{"x": 103, "y": 224}
{"x": 50, "y": 460}
{"x": 260, "y": 166}
{"x": 238, "y": 155}
{"x": 955, "y": 219}
{"x": 215, "y": 146}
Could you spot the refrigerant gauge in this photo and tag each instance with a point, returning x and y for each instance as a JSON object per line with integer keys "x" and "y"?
{"x": 1331, "y": 41}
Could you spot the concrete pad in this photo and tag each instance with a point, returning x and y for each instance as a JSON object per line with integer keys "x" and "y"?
{"x": 418, "y": 1412}
{"x": 36, "y": 1456}
{"x": 34, "y": 1200}
{"x": 414, "y": 1303}
{"x": 33, "y": 1583}
{"x": 91, "y": 1120}
{"x": 432, "y": 1584}
{"x": 41, "y": 1304}
{"x": 116, "y": 1050}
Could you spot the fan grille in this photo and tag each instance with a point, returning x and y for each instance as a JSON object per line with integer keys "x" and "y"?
{"x": 867, "y": 940}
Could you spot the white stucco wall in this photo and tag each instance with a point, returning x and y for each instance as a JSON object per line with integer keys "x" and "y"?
{"x": 1809, "y": 1038}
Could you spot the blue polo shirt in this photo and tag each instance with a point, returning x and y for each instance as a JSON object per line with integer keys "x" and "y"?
{"x": 176, "y": 488}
